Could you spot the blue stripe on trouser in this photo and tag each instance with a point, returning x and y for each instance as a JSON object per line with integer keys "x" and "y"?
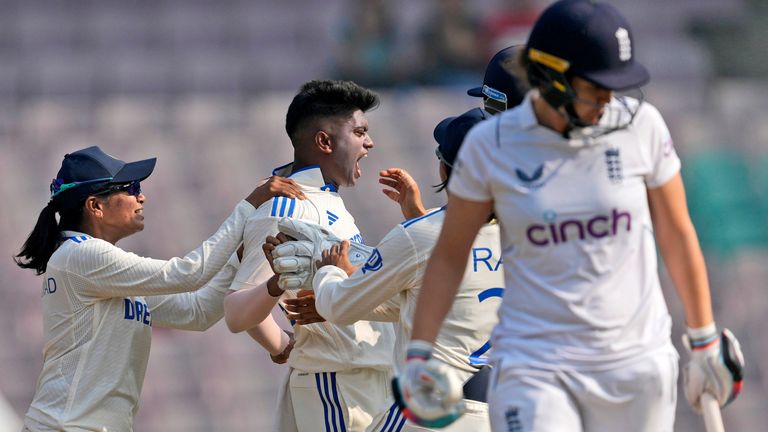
{"x": 330, "y": 402}
{"x": 400, "y": 426}
{"x": 274, "y": 207}
{"x": 282, "y": 206}
{"x": 392, "y": 410}
{"x": 322, "y": 399}
{"x": 338, "y": 404}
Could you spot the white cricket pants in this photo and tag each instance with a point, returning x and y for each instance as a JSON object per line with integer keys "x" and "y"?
{"x": 338, "y": 401}
{"x": 474, "y": 420}
{"x": 638, "y": 398}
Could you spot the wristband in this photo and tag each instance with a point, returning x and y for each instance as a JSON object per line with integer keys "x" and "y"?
{"x": 703, "y": 337}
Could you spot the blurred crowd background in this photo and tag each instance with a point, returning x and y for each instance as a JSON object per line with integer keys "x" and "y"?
{"x": 204, "y": 86}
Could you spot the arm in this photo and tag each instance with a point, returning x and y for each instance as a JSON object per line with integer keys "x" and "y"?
{"x": 107, "y": 271}
{"x": 248, "y": 307}
{"x": 198, "y": 310}
{"x": 251, "y": 305}
{"x": 716, "y": 363}
{"x": 680, "y": 250}
{"x": 269, "y": 335}
{"x": 113, "y": 272}
{"x": 446, "y": 267}
{"x": 405, "y": 191}
{"x": 394, "y": 266}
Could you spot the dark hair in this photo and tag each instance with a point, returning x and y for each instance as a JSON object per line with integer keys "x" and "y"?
{"x": 46, "y": 237}
{"x": 327, "y": 98}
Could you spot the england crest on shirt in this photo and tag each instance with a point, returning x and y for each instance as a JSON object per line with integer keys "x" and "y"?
{"x": 613, "y": 165}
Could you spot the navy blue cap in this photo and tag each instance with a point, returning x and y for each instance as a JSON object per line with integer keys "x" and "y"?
{"x": 90, "y": 170}
{"x": 594, "y": 38}
{"x": 499, "y": 78}
{"x": 450, "y": 132}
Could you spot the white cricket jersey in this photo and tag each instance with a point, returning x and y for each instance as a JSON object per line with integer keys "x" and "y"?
{"x": 582, "y": 288}
{"x": 388, "y": 285}
{"x": 99, "y": 306}
{"x": 320, "y": 347}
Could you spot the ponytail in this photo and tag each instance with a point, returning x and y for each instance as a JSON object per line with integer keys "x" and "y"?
{"x": 44, "y": 239}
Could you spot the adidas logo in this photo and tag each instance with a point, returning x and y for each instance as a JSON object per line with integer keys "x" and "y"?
{"x": 332, "y": 218}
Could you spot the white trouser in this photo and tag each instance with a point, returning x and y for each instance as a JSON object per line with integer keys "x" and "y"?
{"x": 475, "y": 419}
{"x": 640, "y": 397}
{"x": 337, "y": 401}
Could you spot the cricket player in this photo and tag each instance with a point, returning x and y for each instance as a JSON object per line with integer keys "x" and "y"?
{"x": 502, "y": 87}
{"x": 100, "y": 302}
{"x": 580, "y": 179}
{"x": 339, "y": 375}
{"x": 386, "y": 288}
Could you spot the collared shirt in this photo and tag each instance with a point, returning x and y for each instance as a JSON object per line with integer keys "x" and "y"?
{"x": 99, "y": 306}
{"x": 579, "y": 251}
{"x": 388, "y": 286}
{"x": 320, "y": 347}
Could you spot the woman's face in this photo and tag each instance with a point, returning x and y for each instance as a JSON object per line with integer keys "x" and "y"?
{"x": 122, "y": 214}
{"x": 590, "y": 100}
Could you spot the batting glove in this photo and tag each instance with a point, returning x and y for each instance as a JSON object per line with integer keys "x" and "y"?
{"x": 716, "y": 365}
{"x": 301, "y": 255}
{"x": 427, "y": 391}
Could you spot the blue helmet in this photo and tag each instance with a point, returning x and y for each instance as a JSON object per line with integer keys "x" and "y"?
{"x": 583, "y": 38}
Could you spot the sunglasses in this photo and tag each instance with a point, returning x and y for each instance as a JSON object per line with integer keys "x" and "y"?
{"x": 133, "y": 188}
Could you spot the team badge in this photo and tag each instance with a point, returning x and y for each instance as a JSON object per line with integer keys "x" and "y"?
{"x": 374, "y": 263}
{"x": 613, "y": 165}
{"x": 625, "y": 44}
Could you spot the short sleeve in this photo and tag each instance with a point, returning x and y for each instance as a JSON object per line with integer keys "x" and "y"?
{"x": 662, "y": 155}
{"x": 469, "y": 177}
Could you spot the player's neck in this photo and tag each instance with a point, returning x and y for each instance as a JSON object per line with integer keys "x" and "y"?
{"x": 300, "y": 163}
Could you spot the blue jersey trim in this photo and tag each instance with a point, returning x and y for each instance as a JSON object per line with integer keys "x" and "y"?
{"x": 78, "y": 239}
{"x": 282, "y": 206}
{"x": 330, "y": 187}
{"x": 274, "y": 171}
{"x": 410, "y": 222}
{"x": 292, "y": 207}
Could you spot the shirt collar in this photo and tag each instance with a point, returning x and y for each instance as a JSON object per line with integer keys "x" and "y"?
{"x": 74, "y": 235}
{"x": 308, "y": 176}
{"x": 526, "y": 115}
{"x": 526, "y": 118}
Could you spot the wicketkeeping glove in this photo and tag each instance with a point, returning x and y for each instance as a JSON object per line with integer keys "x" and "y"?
{"x": 292, "y": 261}
{"x": 295, "y": 261}
{"x": 428, "y": 392}
{"x": 716, "y": 365}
